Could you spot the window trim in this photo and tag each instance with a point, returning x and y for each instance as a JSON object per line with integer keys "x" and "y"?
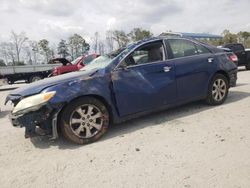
{"x": 165, "y": 54}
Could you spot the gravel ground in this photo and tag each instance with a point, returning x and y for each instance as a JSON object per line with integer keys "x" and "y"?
{"x": 190, "y": 146}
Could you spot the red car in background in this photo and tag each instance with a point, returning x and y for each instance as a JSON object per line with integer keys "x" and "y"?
{"x": 75, "y": 65}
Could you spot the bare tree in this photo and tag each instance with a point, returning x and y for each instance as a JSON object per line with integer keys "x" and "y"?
{"x": 18, "y": 41}
{"x": 96, "y": 41}
{"x": 35, "y": 50}
{"x": 110, "y": 40}
{"x": 8, "y": 52}
{"x": 101, "y": 48}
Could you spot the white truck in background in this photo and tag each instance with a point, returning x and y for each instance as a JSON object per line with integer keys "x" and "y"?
{"x": 29, "y": 73}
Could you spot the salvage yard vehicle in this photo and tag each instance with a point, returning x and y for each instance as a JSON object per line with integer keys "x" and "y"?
{"x": 146, "y": 76}
{"x": 242, "y": 54}
{"x": 29, "y": 73}
{"x": 75, "y": 65}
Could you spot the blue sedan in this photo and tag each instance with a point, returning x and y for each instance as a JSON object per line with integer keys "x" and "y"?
{"x": 146, "y": 76}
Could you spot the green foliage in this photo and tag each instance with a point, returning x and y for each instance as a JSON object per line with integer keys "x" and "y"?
{"x": 62, "y": 49}
{"x": 44, "y": 48}
{"x": 19, "y": 63}
{"x": 77, "y": 45}
{"x": 138, "y": 34}
{"x": 244, "y": 38}
{"x": 2, "y": 63}
{"x": 229, "y": 37}
{"x": 121, "y": 38}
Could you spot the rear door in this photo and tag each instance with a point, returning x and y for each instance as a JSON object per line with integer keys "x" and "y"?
{"x": 145, "y": 80}
{"x": 193, "y": 66}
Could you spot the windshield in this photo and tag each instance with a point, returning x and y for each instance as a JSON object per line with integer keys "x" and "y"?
{"x": 76, "y": 60}
{"x": 88, "y": 59}
{"x": 102, "y": 61}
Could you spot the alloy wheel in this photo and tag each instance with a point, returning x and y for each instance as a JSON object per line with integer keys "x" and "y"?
{"x": 86, "y": 121}
{"x": 219, "y": 89}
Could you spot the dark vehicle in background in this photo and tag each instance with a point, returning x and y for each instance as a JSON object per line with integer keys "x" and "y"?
{"x": 75, "y": 65}
{"x": 145, "y": 77}
{"x": 242, "y": 54}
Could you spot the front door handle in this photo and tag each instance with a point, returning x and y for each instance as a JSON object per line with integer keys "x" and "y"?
{"x": 166, "y": 69}
{"x": 210, "y": 60}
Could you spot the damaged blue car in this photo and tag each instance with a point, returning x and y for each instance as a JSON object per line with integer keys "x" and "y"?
{"x": 145, "y": 77}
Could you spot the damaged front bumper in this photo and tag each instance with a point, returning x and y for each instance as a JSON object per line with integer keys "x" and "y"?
{"x": 38, "y": 123}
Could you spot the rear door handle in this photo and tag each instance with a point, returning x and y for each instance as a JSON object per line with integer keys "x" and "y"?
{"x": 166, "y": 69}
{"x": 210, "y": 60}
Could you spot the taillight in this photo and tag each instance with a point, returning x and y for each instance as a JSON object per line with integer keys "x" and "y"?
{"x": 233, "y": 58}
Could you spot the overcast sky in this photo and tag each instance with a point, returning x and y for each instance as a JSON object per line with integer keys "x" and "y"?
{"x": 57, "y": 19}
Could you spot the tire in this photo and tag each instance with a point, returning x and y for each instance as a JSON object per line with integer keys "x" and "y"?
{"x": 35, "y": 78}
{"x": 218, "y": 90}
{"x": 248, "y": 66}
{"x": 84, "y": 120}
{"x": 10, "y": 82}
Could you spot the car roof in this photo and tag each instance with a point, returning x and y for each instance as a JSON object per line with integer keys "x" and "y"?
{"x": 152, "y": 39}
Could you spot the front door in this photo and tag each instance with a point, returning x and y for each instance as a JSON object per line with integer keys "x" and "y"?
{"x": 144, "y": 80}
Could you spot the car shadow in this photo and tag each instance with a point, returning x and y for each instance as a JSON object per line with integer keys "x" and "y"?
{"x": 154, "y": 119}
{"x": 242, "y": 70}
{"x": 241, "y": 84}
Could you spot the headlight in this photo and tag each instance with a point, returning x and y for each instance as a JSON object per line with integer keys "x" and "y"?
{"x": 34, "y": 102}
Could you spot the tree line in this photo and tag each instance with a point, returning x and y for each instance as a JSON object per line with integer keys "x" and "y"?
{"x": 20, "y": 50}
{"x": 229, "y": 37}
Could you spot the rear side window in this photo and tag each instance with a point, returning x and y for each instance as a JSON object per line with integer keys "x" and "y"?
{"x": 182, "y": 48}
{"x": 202, "y": 49}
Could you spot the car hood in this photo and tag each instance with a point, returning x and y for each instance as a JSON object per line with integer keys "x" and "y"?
{"x": 38, "y": 86}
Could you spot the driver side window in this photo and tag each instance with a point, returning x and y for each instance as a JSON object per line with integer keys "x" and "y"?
{"x": 148, "y": 53}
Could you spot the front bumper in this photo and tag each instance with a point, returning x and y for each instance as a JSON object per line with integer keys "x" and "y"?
{"x": 37, "y": 123}
{"x": 233, "y": 77}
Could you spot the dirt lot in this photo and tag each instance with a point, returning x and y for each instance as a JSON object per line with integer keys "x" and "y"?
{"x": 191, "y": 146}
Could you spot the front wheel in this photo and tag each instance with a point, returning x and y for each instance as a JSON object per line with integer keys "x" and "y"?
{"x": 84, "y": 120}
{"x": 218, "y": 90}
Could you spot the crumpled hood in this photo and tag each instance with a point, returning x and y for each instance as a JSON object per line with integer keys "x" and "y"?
{"x": 38, "y": 86}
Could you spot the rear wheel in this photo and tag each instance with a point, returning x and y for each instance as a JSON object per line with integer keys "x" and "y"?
{"x": 35, "y": 78}
{"x": 218, "y": 90}
{"x": 84, "y": 120}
